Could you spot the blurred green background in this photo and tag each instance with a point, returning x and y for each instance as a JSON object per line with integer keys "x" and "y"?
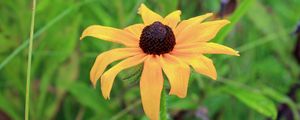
{"x": 261, "y": 84}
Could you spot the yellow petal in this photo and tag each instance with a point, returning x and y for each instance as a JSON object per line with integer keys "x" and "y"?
{"x": 200, "y": 63}
{"x": 148, "y": 15}
{"x": 205, "y": 48}
{"x": 172, "y": 19}
{"x": 136, "y": 30}
{"x": 190, "y": 22}
{"x": 108, "y": 77}
{"x": 104, "y": 59}
{"x": 110, "y": 34}
{"x": 178, "y": 74}
{"x": 201, "y": 32}
{"x": 151, "y": 85}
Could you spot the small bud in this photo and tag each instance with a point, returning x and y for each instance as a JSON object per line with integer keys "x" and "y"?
{"x": 297, "y": 46}
{"x": 227, "y": 8}
{"x": 202, "y": 112}
{"x": 297, "y": 31}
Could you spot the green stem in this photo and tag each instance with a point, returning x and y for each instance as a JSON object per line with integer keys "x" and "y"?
{"x": 29, "y": 61}
{"x": 163, "y": 106}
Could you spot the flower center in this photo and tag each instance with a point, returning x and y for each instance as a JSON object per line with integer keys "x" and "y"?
{"x": 157, "y": 39}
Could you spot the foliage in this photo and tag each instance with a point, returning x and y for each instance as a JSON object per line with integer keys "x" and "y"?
{"x": 253, "y": 86}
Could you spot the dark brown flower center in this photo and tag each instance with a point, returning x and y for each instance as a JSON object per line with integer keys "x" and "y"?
{"x": 157, "y": 39}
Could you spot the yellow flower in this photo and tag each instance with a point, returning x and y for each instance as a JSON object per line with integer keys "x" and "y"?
{"x": 161, "y": 44}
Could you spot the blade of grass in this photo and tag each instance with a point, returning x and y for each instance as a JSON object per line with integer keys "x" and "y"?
{"x": 29, "y": 61}
{"x": 7, "y": 106}
{"x": 39, "y": 32}
{"x": 119, "y": 115}
{"x": 133, "y": 12}
{"x": 261, "y": 41}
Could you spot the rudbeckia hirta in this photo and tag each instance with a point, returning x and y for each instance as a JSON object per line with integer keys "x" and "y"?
{"x": 161, "y": 44}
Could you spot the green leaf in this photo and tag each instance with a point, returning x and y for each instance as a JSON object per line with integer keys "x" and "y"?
{"x": 215, "y": 103}
{"x": 254, "y": 100}
{"x": 89, "y": 98}
{"x": 282, "y": 99}
{"x": 181, "y": 104}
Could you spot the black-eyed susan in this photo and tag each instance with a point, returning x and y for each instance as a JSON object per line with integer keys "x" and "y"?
{"x": 163, "y": 45}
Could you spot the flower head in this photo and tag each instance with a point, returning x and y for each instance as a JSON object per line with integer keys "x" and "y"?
{"x": 162, "y": 44}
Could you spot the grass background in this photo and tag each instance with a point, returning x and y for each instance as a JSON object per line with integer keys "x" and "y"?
{"x": 263, "y": 83}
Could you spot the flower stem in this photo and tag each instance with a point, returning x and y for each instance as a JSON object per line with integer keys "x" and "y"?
{"x": 163, "y": 106}
{"x": 29, "y": 62}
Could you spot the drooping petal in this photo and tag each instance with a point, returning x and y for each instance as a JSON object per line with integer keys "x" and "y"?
{"x": 136, "y": 30}
{"x": 110, "y": 34}
{"x": 178, "y": 74}
{"x": 148, "y": 15}
{"x": 172, "y": 19}
{"x": 108, "y": 77}
{"x": 205, "y": 48}
{"x": 201, "y": 32}
{"x": 200, "y": 63}
{"x": 151, "y": 85}
{"x": 104, "y": 59}
{"x": 190, "y": 22}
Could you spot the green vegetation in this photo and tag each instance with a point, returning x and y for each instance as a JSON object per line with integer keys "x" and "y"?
{"x": 263, "y": 83}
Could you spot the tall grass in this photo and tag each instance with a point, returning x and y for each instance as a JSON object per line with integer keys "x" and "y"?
{"x": 27, "y": 104}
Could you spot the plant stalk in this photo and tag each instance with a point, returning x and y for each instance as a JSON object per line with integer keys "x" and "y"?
{"x": 163, "y": 106}
{"x": 27, "y": 102}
